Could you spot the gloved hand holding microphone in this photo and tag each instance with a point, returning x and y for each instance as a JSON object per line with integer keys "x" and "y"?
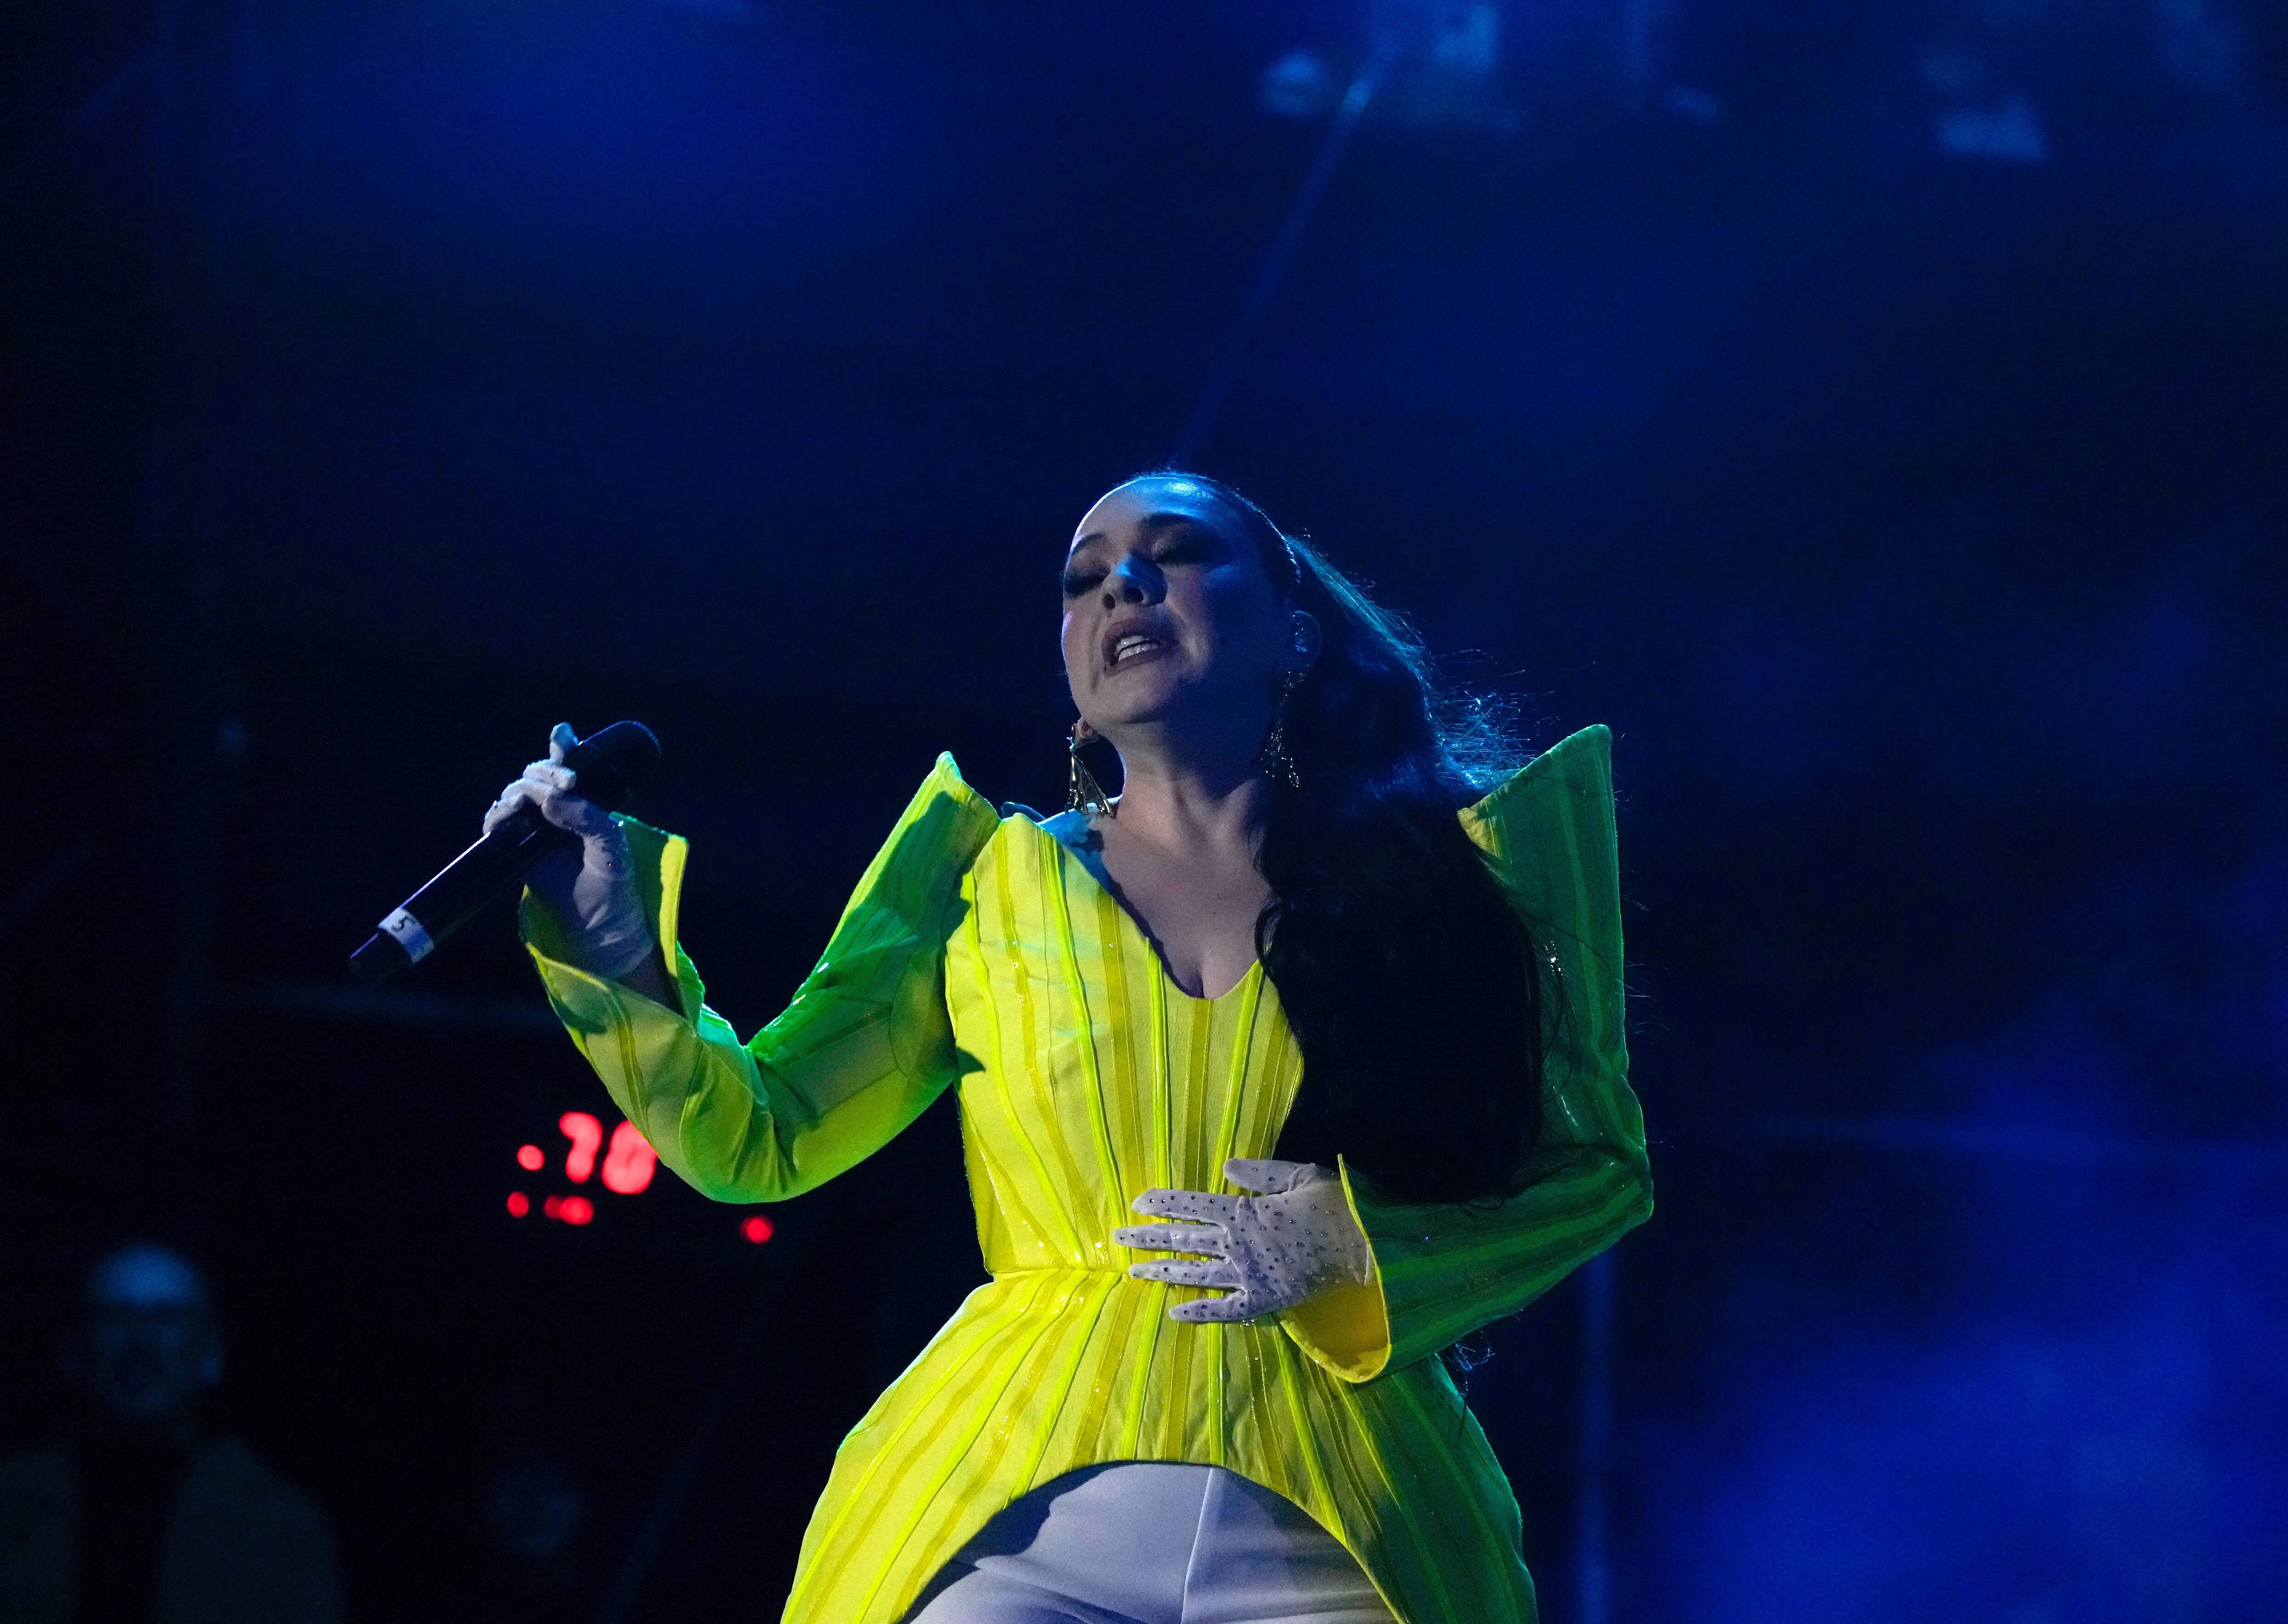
{"x": 590, "y": 893}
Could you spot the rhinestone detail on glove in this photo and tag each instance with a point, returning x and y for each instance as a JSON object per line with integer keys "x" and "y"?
{"x": 1281, "y": 1246}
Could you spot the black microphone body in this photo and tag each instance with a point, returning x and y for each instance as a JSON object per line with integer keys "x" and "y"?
{"x": 610, "y": 764}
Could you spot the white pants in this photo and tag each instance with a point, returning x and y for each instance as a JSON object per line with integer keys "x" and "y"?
{"x": 1151, "y": 1542}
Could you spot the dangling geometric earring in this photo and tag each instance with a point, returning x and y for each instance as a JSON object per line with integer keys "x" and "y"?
{"x": 1083, "y": 793}
{"x": 1278, "y": 761}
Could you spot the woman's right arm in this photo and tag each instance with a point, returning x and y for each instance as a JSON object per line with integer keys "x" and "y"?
{"x": 864, "y": 1047}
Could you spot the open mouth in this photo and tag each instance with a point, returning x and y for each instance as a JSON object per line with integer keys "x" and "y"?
{"x": 1135, "y": 646}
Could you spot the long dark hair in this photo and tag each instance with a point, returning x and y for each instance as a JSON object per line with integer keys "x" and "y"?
{"x": 1412, "y": 986}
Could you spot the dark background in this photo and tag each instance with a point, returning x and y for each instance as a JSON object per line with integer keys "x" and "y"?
{"x": 1873, "y": 413}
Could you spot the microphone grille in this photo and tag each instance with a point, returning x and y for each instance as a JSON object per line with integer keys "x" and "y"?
{"x": 613, "y": 761}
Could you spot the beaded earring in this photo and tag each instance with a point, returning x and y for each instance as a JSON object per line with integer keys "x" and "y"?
{"x": 1277, "y": 762}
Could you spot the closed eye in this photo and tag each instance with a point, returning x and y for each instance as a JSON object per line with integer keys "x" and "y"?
{"x": 1186, "y": 546}
{"x": 1190, "y": 551}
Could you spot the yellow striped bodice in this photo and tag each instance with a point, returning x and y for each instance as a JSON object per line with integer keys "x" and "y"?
{"x": 1087, "y": 1076}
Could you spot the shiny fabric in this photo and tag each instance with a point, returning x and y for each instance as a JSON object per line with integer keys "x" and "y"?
{"x": 1152, "y": 1542}
{"x": 979, "y": 953}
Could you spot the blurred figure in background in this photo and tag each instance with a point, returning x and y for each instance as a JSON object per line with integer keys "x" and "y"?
{"x": 143, "y": 1513}
{"x": 533, "y": 1507}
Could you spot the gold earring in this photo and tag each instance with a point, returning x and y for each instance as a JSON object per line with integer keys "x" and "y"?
{"x": 1083, "y": 793}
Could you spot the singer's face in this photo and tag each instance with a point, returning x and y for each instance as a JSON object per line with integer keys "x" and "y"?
{"x": 1170, "y": 619}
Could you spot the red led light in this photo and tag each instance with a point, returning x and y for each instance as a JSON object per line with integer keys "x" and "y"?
{"x": 529, "y": 1157}
{"x": 552, "y": 1207}
{"x": 519, "y": 1203}
{"x": 757, "y": 1228}
{"x": 628, "y": 1164}
{"x": 577, "y": 1209}
{"x": 587, "y": 1137}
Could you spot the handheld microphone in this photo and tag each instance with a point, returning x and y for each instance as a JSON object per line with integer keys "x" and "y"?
{"x": 610, "y": 764}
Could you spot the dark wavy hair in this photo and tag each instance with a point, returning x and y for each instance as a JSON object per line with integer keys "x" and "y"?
{"x": 1413, "y": 986}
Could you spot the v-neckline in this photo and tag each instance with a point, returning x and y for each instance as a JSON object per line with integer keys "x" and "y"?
{"x": 1106, "y": 887}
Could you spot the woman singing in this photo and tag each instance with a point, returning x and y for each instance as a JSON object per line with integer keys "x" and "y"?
{"x": 1324, "y": 996}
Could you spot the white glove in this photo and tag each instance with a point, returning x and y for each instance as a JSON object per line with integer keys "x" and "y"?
{"x": 592, "y": 897}
{"x": 1275, "y": 1249}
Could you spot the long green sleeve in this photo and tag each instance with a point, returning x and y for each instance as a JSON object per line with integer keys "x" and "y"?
{"x": 864, "y": 1047}
{"x": 1441, "y": 1270}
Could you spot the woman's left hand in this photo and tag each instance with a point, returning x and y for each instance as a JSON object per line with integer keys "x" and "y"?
{"x": 1271, "y": 1250}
